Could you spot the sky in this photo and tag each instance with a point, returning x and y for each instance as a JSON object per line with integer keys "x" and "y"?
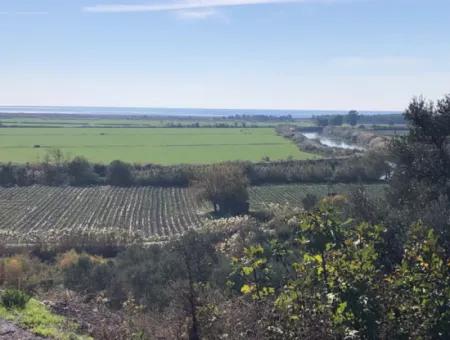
{"x": 249, "y": 54}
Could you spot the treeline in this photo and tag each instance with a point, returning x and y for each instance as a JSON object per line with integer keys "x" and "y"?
{"x": 261, "y": 118}
{"x": 354, "y": 117}
{"x": 383, "y": 119}
{"x": 80, "y": 172}
{"x": 171, "y": 124}
{"x": 225, "y": 125}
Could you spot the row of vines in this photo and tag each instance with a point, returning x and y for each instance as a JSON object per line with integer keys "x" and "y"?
{"x": 46, "y": 212}
{"x": 293, "y": 194}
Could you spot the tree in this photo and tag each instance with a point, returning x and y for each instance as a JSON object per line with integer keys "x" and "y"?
{"x": 119, "y": 174}
{"x": 322, "y": 121}
{"x": 331, "y": 278}
{"x": 54, "y": 166}
{"x": 420, "y": 181}
{"x": 198, "y": 258}
{"x": 352, "y": 117}
{"x": 225, "y": 186}
{"x": 81, "y": 172}
{"x": 337, "y": 120}
{"x": 55, "y": 156}
{"x": 6, "y": 175}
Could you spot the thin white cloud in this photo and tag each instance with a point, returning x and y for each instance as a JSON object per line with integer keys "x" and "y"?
{"x": 196, "y": 14}
{"x": 186, "y": 5}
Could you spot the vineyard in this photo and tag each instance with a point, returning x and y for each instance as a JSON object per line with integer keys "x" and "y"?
{"x": 35, "y": 213}
{"x": 48, "y": 211}
{"x": 294, "y": 193}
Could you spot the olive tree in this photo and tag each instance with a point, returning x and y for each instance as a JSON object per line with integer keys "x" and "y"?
{"x": 225, "y": 186}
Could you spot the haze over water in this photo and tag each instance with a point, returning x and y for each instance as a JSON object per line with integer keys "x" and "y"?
{"x": 142, "y": 111}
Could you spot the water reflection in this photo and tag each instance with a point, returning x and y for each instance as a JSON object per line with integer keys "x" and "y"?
{"x": 331, "y": 142}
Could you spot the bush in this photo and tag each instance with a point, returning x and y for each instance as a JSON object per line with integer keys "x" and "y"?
{"x": 309, "y": 201}
{"x": 119, "y": 174}
{"x": 81, "y": 172}
{"x": 13, "y": 298}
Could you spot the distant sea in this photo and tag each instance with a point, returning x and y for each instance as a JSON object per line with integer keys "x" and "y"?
{"x": 170, "y": 112}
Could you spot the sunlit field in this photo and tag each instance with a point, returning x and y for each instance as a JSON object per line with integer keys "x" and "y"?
{"x": 148, "y": 145}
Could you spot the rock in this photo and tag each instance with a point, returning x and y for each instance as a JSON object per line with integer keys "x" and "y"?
{"x": 9, "y": 331}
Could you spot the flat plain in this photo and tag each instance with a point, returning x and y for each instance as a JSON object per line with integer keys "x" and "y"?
{"x": 147, "y": 145}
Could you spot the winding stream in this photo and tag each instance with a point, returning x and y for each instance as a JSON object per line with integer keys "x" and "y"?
{"x": 332, "y": 142}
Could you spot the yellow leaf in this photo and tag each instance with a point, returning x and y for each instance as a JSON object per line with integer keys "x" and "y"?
{"x": 246, "y": 289}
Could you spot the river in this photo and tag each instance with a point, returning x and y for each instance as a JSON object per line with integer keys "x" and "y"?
{"x": 332, "y": 142}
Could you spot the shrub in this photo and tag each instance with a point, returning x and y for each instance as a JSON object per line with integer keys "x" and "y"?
{"x": 13, "y": 270}
{"x": 119, "y": 174}
{"x": 68, "y": 259}
{"x": 81, "y": 172}
{"x": 13, "y": 298}
{"x": 44, "y": 253}
{"x": 309, "y": 201}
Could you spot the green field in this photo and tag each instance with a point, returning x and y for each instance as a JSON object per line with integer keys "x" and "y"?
{"x": 147, "y": 145}
{"x": 133, "y": 121}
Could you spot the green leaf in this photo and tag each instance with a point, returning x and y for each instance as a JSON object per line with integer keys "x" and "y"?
{"x": 247, "y": 270}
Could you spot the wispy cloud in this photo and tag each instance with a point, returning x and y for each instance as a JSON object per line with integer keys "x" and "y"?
{"x": 188, "y": 5}
{"x": 197, "y": 14}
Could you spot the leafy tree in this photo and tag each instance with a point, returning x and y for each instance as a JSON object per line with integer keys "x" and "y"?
{"x": 6, "y": 175}
{"x": 322, "y": 121}
{"x": 421, "y": 179}
{"x": 337, "y": 120}
{"x": 81, "y": 172}
{"x": 352, "y": 117}
{"x": 417, "y": 297}
{"x": 225, "y": 186}
{"x": 332, "y": 277}
{"x": 119, "y": 174}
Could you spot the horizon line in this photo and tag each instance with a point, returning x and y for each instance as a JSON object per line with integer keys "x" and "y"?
{"x": 197, "y": 108}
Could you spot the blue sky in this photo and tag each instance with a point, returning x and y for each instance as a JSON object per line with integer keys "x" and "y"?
{"x": 304, "y": 54}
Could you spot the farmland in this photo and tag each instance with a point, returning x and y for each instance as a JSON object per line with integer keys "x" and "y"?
{"x": 146, "y": 211}
{"x": 147, "y": 145}
{"x": 99, "y": 121}
{"x": 39, "y": 212}
{"x": 294, "y": 193}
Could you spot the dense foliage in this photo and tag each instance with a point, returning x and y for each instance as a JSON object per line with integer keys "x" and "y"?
{"x": 420, "y": 186}
{"x": 13, "y": 298}
{"x": 78, "y": 173}
{"x": 225, "y": 186}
